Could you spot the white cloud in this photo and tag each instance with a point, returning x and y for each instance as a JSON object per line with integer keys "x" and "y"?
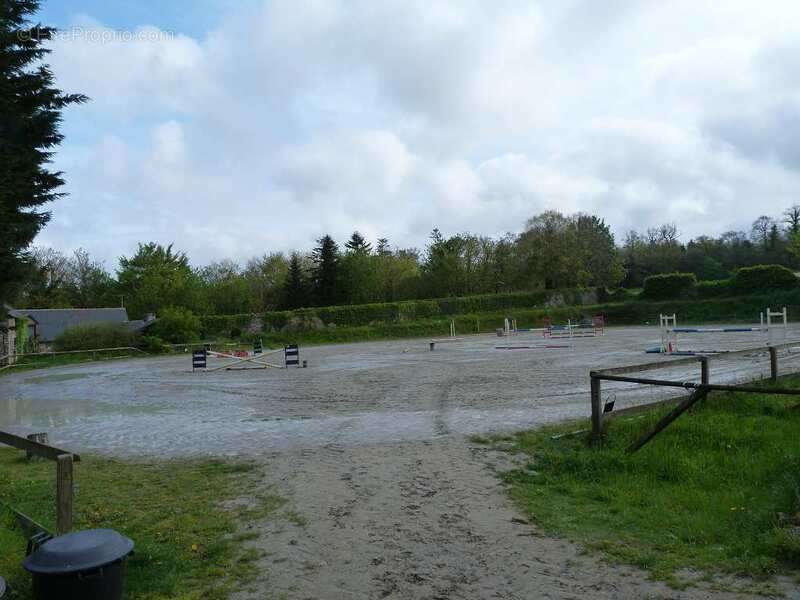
{"x": 293, "y": 118}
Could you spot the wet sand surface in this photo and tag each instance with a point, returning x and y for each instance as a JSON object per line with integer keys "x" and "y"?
{"x": 370, "y": 446}
{"x": 351, "y": 394}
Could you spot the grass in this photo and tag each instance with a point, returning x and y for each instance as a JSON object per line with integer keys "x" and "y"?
{"x": 182, "y": 516}
{"x": 704, "y": 495}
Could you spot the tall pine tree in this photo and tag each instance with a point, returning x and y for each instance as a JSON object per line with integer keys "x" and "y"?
{"x": 326, "y": 262}
{"x": 358, "y": 244}
{"x": 30, "y": 115}
{"x": 295, "y": 291}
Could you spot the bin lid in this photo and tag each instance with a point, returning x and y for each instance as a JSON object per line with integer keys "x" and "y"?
{"x": 79, "y": 551}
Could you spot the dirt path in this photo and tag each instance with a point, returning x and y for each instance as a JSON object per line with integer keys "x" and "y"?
{"x": 421, "y": 520}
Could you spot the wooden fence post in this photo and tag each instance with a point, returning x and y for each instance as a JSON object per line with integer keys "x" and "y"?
{"x": 597, "y": 409}
{"x": 64, "y": 492}
{"x": 773, "y": 363}
{"x": 704, "y": 371}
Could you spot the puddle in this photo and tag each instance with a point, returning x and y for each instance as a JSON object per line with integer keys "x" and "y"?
{"x": 354, "y": 394}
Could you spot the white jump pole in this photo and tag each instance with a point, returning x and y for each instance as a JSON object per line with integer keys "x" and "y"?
{"x": 452, "y": 328}
{"x": 771, "y": 335}
{"x": 669, "y": 338}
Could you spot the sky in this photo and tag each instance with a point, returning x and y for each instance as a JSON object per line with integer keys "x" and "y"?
{"x": 234, "y": 128}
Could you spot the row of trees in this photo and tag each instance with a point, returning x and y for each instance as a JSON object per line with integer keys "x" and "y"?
{"x": 553, "y": 251}
{"x": 659, "y": 250}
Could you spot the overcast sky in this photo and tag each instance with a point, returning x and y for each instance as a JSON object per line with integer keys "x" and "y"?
{"x": 233, "y": 128}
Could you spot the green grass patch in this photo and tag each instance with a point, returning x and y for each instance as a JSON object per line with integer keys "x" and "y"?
{"x": 182, "y": 516}
{"x": 705, "y": 494}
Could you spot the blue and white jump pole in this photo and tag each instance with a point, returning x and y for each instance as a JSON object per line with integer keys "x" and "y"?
{"x": 775, "y": 330}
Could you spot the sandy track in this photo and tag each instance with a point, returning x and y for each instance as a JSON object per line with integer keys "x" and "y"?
{"x": 421, "y": 520}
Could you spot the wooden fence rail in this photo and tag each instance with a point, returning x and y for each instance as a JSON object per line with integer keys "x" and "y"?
{"x": 616, "y": 374}
{"x": 64, "y": 474}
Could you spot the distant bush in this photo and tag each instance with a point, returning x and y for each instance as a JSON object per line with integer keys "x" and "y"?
{"x": 223, "y": 325}
{"x": 669, "y": 286}
{"x": 95, "y": 336}
{"x": 763, "y": 278}
{"x": 177, "y": 325}
{"x": 153, "y": 344}
{"x": 714, "y": 289}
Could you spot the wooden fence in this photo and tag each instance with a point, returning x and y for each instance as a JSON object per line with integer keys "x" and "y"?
{"x": 700, "y": 390}
{"x": 64, "y": 473}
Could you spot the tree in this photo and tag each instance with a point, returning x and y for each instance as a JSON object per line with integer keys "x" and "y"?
{"x": 357, "y": 272}
{"x": 505, "y": 266}
{"x": 266, "y": 277}
{"x": 224, "y": 289}
{"x": 760, "y": 231}
{"x": 154, "y": 278}
{"x": 358, "y": 244}
{"x": 598, "y": 254}
{"x": 90, "y": 285}
{"x": 47, "y": 283}
{"x": 442, "y": 266}
{"x": 549, "y": 249}
{"x": 791, "y": 218}
{"x": 326, "y": 262}
{"x": 295, "y": 293}
{"x": 30, "y": 114}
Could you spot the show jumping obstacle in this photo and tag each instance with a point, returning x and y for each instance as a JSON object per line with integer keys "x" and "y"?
{"x": 668, "y": 324}
{"x": 509, "y": 328}
{"x": 446, "y": 340}
{"x": 291, "y": 357}
{"x": 586, "y": 328}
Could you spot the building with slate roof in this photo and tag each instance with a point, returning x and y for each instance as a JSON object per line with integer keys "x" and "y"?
{"x": 46, "y": 324}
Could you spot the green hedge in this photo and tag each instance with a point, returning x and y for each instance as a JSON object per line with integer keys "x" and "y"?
{"x": 714, "y": 289}
{"x": 96, "y": 336}
{"x": 638, "y": 312}
{"x": 619, "y": 295}
{"x": 413, "y": 310}
{"x": 763, "y": 278}
{"x": 720, "y": 310}
{"x": 433, "y": 316}
{"x": 669, "y": 286}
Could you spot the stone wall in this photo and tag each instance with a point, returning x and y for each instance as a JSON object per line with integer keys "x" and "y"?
{"x": 8, "y": 339}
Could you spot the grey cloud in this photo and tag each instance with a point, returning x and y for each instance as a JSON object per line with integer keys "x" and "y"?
{"x": 294, "y": 118}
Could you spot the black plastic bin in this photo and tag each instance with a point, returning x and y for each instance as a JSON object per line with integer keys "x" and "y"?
{"x": 85, "y": 565}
